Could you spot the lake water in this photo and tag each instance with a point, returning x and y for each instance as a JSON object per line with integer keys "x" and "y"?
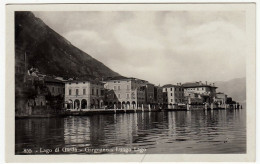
{"x": 188, "y": 132}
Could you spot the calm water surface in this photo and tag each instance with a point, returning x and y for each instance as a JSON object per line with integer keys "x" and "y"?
{"x": 207, "y": 132}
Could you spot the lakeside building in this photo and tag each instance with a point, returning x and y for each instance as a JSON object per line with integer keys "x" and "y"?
{"x": 174, "y": 95}
{"x": 125, "y": 93}
{"x": 84, "y": 95}
{"x": 56, "y": 87}
{"x": 220, "y": 98}
{"x": 158, "y": 95}
{"x": 206, "y": 92}
{"x": 149, "y": 95}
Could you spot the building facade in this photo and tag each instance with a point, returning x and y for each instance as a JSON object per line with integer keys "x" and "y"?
{"x": 206, "y": 92}
{"x": 220, "y": 98}
{"x": 174, "y": 94}
{"x": 158, "y": 95}
{"x": 125, "y": 93}
{"x": 55, "y": 87}
{"x": 84, "y": 95}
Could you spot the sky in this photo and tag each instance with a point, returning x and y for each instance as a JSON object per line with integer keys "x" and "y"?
{"x": 159, "y": 46}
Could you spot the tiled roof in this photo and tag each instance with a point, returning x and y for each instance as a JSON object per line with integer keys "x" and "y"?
{"x": 170, "y": 85}
{"x": 50, "y": 79}
{"x": 196, "y": 84}
{"x": 123, "y": 78}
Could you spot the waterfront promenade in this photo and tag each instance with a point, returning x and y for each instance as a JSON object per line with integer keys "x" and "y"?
{"x": 87, "y": 112}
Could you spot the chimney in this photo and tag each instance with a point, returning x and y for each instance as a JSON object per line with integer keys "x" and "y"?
{"x": 200, "y": 82}
{"x": 213, "y": 84}
{"x": 206, "y": 83}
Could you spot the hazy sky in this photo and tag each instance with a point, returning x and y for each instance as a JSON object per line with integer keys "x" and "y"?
{"x": 159, "y": 46}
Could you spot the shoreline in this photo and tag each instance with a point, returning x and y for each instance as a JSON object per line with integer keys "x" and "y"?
{"x": 109, "y": 111}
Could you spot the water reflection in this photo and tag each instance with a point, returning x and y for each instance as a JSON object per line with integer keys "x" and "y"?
{"x": 219, "y": 131}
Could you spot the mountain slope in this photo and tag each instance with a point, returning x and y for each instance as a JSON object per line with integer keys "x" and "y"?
{"x": 53, "y": 54}
{"x": 235, "y": 88}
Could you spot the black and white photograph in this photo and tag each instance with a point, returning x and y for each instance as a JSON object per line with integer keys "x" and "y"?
{"x": 133, "y": 81}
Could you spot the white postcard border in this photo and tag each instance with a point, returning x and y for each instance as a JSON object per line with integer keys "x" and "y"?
{"x": 249, "y": 8}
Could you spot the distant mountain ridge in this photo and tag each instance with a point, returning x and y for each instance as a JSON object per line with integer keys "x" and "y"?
{"x": 235, "y": 88}
{"x": 53, "y": 54}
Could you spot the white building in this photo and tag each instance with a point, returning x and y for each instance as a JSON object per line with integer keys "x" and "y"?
{"x": 124, "y": 93}
{"x": 207, "y": 92}
{"x": 84, "y": 95}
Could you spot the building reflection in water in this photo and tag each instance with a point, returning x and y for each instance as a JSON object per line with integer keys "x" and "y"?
{"x": 218, "y": 131}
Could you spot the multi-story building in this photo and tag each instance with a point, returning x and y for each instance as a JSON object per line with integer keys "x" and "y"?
{"x": 158, "y": 95}
{"x": 149, "y": 93}
{"x": 125, "y": 93}
{"x": 220, "y": 98}
{"x": 56, "y": 87}
{"x": 175, "y": 94}
{"x": 84, "y": 95}
{"x": 207, "y": 92}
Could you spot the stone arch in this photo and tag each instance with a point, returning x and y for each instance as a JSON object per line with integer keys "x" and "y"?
{"x": 119, "y": 105}
{"x": 123, "y": 105}
{"x": 134, "y": 104}
{"x": 101, "y": 103}
{"x": 127, "y": 105}
{"x": 76, "y": 104}
{"x": 84, "y": 104}
{"x": 70, "y": 104}
{"x": 114, "y": 105}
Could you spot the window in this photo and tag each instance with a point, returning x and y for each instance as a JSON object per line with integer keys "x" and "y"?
{"x": 166, "y": 89}
{"x": 197, "y": 89}
{"x": 52, "y": 89}
{"x": 118, "y": 87}
{"x": 102, "y": 92}
{"x": 114, "y": 87}
{"x": 77, "y": 92}
{"x": 92, "y": 91}
{"x": 171, "y": 100}
{"x": 171, "y": 89}
{"x": 69, "y": 91}
{"x": 175, "y": 89}
{"x": 97, "y": 92}
{"x": 84, "y": 91}
{"x": 127, "y": 96}
{"x": 171, "y": 94}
